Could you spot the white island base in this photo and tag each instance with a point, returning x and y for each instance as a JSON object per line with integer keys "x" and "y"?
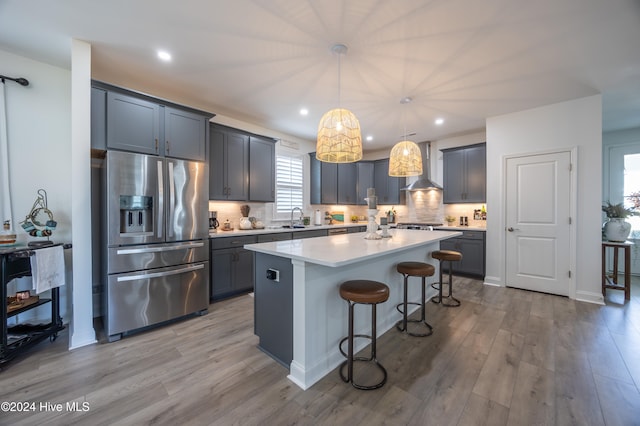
{"x": 320, "y": 315}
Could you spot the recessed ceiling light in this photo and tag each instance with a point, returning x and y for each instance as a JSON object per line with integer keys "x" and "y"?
{"x": 439, "y": 121}
{"x": 369, "y": 138}
{"x": 164, "y": 55}
{"x": 304, "y": 111}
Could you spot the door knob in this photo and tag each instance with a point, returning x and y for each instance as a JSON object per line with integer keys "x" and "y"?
{"x": 510, "y": 229}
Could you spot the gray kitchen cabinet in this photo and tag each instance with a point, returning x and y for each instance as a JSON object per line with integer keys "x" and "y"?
{"x": 298, "y": 235}
{"x": 262, "y": 169}
{"x": 346, "y": 183}
{"x": 231, "y": 266}
{"x": 184, "y": 134}
{"x": 315, "y": 181}
{"x": 364, "y": 180}
{"x": 328, "y": 183}
{"x": 129, "y": 121}
{"x": 464, "y": 174}
{"x": 472, "y": 246}
{"x": 332, "y": 183}
{"x": 98, "y": 119}
{"x": 133, "y": 124}
{"x": 387, "y": 187}
{"x": 280, "y": 236}
{"x": 228, "y": 164}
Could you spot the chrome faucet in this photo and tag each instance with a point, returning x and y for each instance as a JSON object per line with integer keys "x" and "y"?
{"x": 301, "y": 215}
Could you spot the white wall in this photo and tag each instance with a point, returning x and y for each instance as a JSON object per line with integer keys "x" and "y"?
{"x": 39, "y": 134}
{"x": 576, "y": 123}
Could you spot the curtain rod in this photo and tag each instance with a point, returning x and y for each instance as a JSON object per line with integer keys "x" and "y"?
{"x": 21, "y": 81}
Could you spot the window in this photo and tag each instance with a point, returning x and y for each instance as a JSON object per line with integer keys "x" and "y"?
{"x": 289, "y": 185}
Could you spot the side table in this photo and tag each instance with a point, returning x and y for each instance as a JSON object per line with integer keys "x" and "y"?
{"x": 611, "y": 281}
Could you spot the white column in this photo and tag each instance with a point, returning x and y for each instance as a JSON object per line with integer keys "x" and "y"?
{"x": 81, "y": 328}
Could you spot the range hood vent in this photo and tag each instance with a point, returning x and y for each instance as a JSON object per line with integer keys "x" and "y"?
{"x": 424, "y": 182}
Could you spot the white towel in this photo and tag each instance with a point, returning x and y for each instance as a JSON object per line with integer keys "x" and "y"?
{"x": 47, "y": 268}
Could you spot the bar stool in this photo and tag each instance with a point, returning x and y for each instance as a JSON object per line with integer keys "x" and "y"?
{"x": 414, "y": 269}
{"x": 444, "y": 256}
{"x": 364, "y": 292}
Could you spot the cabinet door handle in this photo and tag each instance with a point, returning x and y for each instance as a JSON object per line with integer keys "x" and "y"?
{"x": 156, "y": 145}
{"x": 167, "y": 147}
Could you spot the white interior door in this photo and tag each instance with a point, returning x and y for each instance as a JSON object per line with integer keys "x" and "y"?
{"x": 538, "y": 210}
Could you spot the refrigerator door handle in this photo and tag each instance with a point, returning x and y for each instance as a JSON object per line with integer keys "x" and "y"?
{"x": 159, "y": 249}
{"x": 160, "y": 274}
{"x": 172, "y": 199}
{"x": 160, "y": 223}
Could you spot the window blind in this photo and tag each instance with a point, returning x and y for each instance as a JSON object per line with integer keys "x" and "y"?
{"x": 289, "y": 185}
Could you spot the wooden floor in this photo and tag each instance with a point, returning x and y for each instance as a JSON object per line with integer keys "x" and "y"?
{"x": 505, "y": 357}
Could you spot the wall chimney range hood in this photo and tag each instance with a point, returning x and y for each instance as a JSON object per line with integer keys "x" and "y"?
{"x": 424, "y": 182}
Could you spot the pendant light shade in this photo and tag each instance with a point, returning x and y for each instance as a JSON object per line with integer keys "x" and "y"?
{"x": 405, "y": 160}
{"x": 339, "y": 137}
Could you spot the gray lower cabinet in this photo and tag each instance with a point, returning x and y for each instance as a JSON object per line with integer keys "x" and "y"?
{"x": 268, "y": 238}
{"x": 472, "y": 246}
{"x": 273, "y": 307}
{"x": 298, "y": 235}
{"x": 231, "y": 266}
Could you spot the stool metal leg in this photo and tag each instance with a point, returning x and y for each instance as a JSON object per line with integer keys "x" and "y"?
{"x": 438, "y": 298}
{"x": 406, "y": 320}
{"x": 350, "y": 355}
{"x": 453, "y": 302}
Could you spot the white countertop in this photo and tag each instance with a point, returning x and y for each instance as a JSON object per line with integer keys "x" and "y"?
{"x": 278, "y": 230}
{"x": 345, "y": 249}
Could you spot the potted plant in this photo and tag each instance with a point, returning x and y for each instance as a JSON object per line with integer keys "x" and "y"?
{"x": 450, "y": 220}
{"x": 616, "y": 229}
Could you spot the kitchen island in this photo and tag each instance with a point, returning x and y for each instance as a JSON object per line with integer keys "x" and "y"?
{"x": 299, "y": 315}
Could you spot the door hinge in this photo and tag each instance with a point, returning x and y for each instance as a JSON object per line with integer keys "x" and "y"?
{"x": 569, "y": 274}
{"x": 570, "y": 167}
{"x": 569, "y": 220}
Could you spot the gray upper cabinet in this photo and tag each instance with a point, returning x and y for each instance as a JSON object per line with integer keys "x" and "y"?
{"x": 128, "y": 121}
{"x": 315, "y": 181}
{"x": 364, "y": 180}
{"x": 228, "y": 164}
{"x": 347, "y": 188}
{"x": 98, "y": 119}
{"x": 328, "y": 183}
{"x": 262, "y": 169}
{"x": 332, "y": 183}
{"x": 133, "y": 124}
{"x": 241, "y": 165}
{"x": 185, "y": 134}
{"x": 387, "y": 187}
{"x": 465, "y": 176}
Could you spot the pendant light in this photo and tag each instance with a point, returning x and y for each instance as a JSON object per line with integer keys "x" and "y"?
{"x": 339, "y": 138}
{"x": 405, "y": 158}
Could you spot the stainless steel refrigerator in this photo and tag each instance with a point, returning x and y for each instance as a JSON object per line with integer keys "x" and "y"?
{"x": 156, "y": 228}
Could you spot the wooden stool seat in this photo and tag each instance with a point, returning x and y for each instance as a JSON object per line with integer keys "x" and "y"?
{"x": 416, "y": 269}
{"x": 450, "y": 255}
{"x": 364, "y": 291}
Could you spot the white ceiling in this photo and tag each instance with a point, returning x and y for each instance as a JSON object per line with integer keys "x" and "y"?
{"x": 260, "y": 61}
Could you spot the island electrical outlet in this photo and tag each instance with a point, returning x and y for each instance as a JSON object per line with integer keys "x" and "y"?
{"x": 273, "y": 274}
